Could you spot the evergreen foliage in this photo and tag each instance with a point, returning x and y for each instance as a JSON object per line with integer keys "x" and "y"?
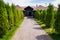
{"x": 9, "y": 17}
{"x": 37, "y": 14}
{"x": 3, "y": 19}
{"x": 44, "y": 16}
{"x": 50, "y": 16}
{"x": 57, "y": 20}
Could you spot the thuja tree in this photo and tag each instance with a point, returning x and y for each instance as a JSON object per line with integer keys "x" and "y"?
{"x": 21, "y": 13}
{"x": 18, "y": 13}
{"x": 37, "y": 14}
{"x": 10, "y": 16}
{"x": 41, "y": 15}
{"x": 15, "y": 13}
{"x": 44, "y": 15}
{"x": 50, "y": 16}
{"x": 57, "y": 21}
{"x": 3, "y": 19}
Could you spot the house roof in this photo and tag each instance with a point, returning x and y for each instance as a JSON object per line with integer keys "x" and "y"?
{"x": 40, "y": 7}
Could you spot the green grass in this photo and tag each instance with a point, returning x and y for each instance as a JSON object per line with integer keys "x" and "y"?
{"x": 50, "y": 31}
{"x": 10, "y": 34}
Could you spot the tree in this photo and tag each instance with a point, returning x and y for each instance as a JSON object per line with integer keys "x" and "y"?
{"x": 10, "y": 16}
{"x": 37, "y": 14}
{"x": 44, "y": 16}
{"x": 14, "y": 10}
{"x": 57, "y": 21}
{"x": 3, "y": 19}
{"x": 50, "y": 16}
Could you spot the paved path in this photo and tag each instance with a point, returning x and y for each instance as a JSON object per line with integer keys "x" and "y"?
{"x": 30, "y": 30}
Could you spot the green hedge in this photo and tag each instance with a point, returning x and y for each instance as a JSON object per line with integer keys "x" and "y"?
{"x": 49, "y": 17}
{"x": 57, "y": 21}
{"x": 9, "y": 17}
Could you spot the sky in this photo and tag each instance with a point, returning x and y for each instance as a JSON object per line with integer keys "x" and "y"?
{"x": 33, "y": 2}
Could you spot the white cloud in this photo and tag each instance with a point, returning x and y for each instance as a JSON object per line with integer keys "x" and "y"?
{"x": 19, "y": 2}
{"x": 56, "y": 2}
{"x": 29, "y": 2}
{"x": 25, "y": 2}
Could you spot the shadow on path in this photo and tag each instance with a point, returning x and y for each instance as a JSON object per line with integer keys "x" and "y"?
{"x": 37, "y": 28}
{"x": 43, "y": 37}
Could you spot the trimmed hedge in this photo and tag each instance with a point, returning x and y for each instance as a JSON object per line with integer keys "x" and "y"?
{"x": 49, "y": 17}
{"x": 57, "y": 21}
{"x": 9, "y": 17}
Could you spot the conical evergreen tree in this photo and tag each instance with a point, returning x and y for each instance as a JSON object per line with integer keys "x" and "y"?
{"x": 37, "y": 14}
{"x": 3, "y": 19}
{"x": 10, "y": 16}
{"x": 44, "y": 16}
{"x": 15, "y": 13}
{"x": 57, "y": 21}
{"x": 50, "y": 15}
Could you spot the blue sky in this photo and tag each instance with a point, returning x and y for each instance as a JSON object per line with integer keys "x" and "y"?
{"x": 33, "y": 2}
